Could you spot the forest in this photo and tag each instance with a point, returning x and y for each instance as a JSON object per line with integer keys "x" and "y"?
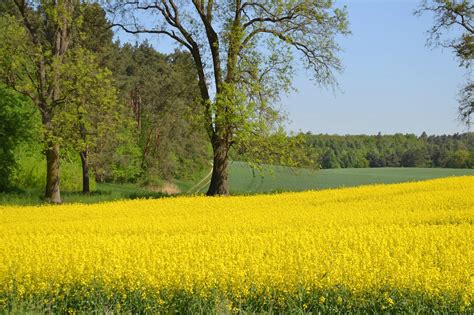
{"x": 399, "y": 150}
{"x": 132, "y": 118}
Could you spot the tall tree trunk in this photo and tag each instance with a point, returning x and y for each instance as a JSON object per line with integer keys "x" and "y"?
{"x": 85, "y": 172}
{"x": 220, "y": 170}
{"x": 52, "y": 192}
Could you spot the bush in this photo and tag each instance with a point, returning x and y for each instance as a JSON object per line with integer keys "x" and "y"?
{"x": 31, "y": 171}
{"x": 16, "y": 114}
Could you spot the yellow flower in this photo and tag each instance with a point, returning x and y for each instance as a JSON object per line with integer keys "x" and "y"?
{"x": 411, "y": 237}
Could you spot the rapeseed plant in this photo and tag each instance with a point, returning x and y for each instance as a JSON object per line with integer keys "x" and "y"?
{"x": 402, "y": 247}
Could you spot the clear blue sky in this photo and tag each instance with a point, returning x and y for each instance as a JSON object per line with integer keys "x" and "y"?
{"x": 391, "y": 83}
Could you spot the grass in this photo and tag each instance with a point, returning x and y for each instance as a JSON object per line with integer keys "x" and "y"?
{"x": 104, "y": 192}
{"x": 244, "y": 180}
{"x": 277, "y": 178}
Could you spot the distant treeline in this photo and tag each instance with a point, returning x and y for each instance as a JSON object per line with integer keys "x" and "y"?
{"x": 399, "y": 150}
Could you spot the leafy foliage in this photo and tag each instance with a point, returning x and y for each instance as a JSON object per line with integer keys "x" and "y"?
{"x": 161, "y": 93}
{"x": 17, "y": 117}
{"x": 243, "y": 55}
{"x": 466, "y": 103}
{"x": 28, "y": 177}
{"x": 456, "y": 151}
{"x": 454, "y": 16}
{"x": 32, "y": 62}
{"x": 276, "y": 149}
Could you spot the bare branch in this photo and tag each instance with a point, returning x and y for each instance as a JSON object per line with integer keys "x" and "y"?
{"x": 171, "y": 34}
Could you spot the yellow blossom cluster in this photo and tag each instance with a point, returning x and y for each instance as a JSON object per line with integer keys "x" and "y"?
{"x": 412, "y": 237}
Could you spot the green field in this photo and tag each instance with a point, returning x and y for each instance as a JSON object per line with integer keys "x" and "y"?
{"x": 278, "y": 178}
{"x": 244, "y": 180}
{"x": 103, "y": 192}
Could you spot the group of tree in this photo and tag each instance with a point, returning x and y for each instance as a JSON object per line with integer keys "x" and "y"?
{"x": 243, "y": 53}
{"x": 129, "y": 111}
{"x": 125, "y": 110}
{"x": 399, "y": 150}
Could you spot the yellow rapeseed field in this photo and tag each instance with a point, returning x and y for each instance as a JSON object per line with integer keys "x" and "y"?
{"x": 403, "y": 246}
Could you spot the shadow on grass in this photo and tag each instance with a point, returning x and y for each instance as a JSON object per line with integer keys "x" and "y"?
{"x": 146, "y": 195}
{"x": 103, "y": 194}
{"x": 92, "y": 193}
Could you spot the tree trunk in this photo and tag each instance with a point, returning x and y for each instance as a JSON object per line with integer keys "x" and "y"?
{"x": 85, "y": 172}
{"x": 220, "y": 170}
{"x": 52, "y": 192}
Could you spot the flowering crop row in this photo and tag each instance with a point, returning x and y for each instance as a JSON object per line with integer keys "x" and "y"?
{"x": 373, "y": 248}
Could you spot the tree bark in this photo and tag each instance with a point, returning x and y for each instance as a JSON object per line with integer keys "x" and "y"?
{"x": 85, "y": 172}
{"x": 220, "y": 171}
{"x": 52, "y": 192}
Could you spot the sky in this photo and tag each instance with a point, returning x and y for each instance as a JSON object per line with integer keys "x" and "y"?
{"x": 391, "y": 83}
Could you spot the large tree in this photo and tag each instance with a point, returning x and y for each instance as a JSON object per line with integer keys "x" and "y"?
{"x": 454, "y": 16}
{"x": 90, "y": 110}
{"x": 159, "y": 92}
{"x": 36, "y": 36}
{"x": 243, "y": 53}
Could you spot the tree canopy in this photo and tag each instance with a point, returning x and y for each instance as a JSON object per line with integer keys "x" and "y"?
{"x": 243, "y": 54}
{"x": 399, "y": 150}
{"x": 454, "y": 17}
{"x": 17, "y": 117}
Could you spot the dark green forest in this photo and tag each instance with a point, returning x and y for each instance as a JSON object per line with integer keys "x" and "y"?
{"x": 399, "y": 150}
{"x": 141, "y": 130}
{"x": 155, "y": 137}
